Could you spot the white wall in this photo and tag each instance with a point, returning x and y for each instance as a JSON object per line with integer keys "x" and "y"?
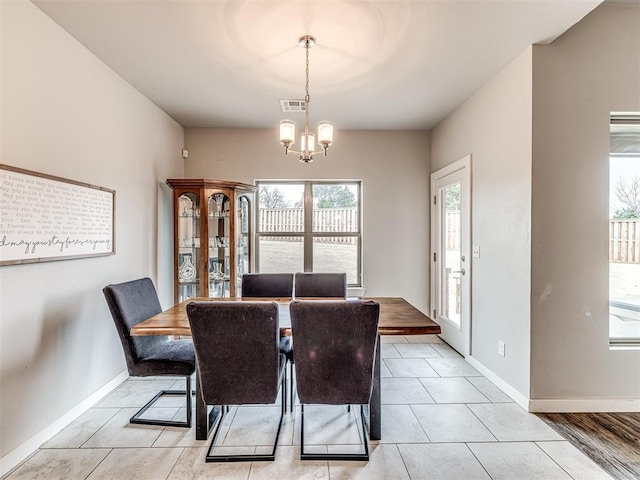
{"x": 394, "y": 169}
{"x": 579, "y": 79}
{"x": 494, "y": 126}
{"x": 65, "y": 113}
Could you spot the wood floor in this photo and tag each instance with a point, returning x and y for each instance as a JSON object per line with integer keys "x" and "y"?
{"x": 612, "y": 440}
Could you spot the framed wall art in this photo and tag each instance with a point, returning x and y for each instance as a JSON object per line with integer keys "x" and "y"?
{"x": 45, "y": 218}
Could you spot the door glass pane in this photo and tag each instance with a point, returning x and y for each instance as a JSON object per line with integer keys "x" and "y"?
{"x": 451, "y": 265}
{"x": 281, "y": 254}
{"x": 189, "y": 246}
{"x": 335, "y": 208}
{"x": 281, "y": 208}
{"x": 336, "y": 254}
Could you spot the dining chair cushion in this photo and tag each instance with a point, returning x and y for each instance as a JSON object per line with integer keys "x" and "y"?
{"x": 175, "y": 357}
{"x": 320, "y": 284}
{"x": 267, "y": 285}
{"x": 237, "y": 349}
{"x": 335, "y": 346}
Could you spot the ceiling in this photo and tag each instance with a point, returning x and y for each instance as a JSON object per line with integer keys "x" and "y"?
{"x": 385, "y": 65}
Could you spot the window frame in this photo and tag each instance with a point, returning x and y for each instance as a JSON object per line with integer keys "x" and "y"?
{"x": 308, "y": 235}
{"x": 619, "y": 118}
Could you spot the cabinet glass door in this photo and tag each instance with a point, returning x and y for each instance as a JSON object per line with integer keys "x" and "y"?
{"x": 219, "y": 223}
{"x": 188, "y": 246}
{"x": 243, "y": 246}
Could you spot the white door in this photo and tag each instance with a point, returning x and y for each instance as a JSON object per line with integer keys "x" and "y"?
{"x": 450, "y": 246}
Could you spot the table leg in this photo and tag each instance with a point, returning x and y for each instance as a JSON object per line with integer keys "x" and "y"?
{"x": 375, "y": 414}
{"x": 204, "y": 421}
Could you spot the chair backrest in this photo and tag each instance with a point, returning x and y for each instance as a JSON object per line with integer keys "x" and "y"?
{"x": 267, "y": 285}
{"x": 237, "y": 351}
{"x": 131, "y": 303}
{"x": 320, "y": 285}
{"x": 335, "y": 347}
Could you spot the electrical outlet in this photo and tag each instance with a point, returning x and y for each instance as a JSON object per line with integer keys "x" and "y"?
{"x": 501, "y": 347}
{"x": 475, "y": 252}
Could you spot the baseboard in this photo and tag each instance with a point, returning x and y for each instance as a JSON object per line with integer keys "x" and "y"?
{"x": 515, "y": 395}
{"x": 558, "y": 405}
{"x": 20, "y": 453}
{"x": 584, "y": 405}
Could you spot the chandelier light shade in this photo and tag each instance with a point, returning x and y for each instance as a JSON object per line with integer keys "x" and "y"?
{"x": 325, "y": 134}
{"x": 287, "y": 132}
{"x": 307, "y": 138}
{"x": 307, "y": 142}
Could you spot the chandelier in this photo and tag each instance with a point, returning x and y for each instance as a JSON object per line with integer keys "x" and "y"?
{"x": 307, "y": 139}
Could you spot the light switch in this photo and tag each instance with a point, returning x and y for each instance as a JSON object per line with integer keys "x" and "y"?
{"x": 475, "y": 253}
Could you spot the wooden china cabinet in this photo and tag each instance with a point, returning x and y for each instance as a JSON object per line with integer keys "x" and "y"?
{"x": 213, "y": 224}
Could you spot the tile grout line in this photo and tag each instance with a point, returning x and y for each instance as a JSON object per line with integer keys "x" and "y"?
{"x": 466, "y": 444}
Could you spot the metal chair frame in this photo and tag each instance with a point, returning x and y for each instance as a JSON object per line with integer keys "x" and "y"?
{"x": 335, "y": 456}
{"x": 269, "y": 457}
{"x": 137, "y": 418}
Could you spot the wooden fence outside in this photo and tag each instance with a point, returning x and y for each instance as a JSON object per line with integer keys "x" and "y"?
{"x": 624, "y": 238}
{"x": 624, "y": 235}
{"x": 453, "y": 230}
{"x": 325, "y": 220}
{"x": 624, "y": 241}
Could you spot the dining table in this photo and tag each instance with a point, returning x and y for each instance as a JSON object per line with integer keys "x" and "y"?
{"x": 397, "y": 317}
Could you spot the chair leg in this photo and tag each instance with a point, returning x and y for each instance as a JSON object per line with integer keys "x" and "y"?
{"x": 245, "y": 458}
{"x": 284, "y": 389}
{"x": 292, "y": 391}
{"x": 334, "y": 456}
{"x": 168, "y": 423}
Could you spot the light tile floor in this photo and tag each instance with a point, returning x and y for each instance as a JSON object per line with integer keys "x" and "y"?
{"x": 441, "y": 420}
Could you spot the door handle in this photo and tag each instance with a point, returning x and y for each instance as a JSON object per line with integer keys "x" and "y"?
{"x": 459, "y": 271}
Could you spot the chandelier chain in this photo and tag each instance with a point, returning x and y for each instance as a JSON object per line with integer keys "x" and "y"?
{"x": 307, "y": 73}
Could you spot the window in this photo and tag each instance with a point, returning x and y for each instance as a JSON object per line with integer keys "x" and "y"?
{"x": 310, "y": 226}
{"x": 624, "y": 231}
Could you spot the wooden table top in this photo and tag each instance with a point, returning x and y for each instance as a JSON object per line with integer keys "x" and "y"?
{"x": 397, "y": 317}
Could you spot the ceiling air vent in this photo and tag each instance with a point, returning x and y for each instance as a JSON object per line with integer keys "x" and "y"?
{"x": 292, "y": 105}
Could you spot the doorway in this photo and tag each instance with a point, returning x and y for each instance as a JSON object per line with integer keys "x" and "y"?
{"x": 450, "y": 246}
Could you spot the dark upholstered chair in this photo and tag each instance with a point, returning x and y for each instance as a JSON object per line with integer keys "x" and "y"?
{"x": 320, "y": 285}
{"x": 238, "y": 359}
{"x": 267, "y": 285}
{"x": 131, "y": 303}
{"x": 273, "y": 285}
{"x": 334, "y": 358}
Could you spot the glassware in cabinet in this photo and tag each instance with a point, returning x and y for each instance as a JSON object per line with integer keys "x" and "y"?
{"x": 219, "y": 222}
{"x": 188, "y": 245}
